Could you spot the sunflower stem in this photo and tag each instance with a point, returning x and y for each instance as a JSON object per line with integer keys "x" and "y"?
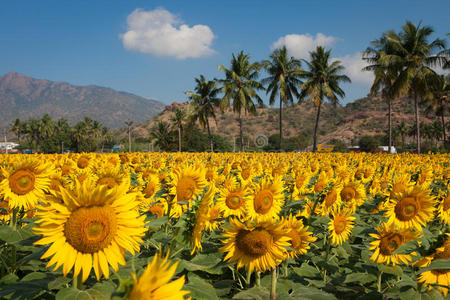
{"x": 380, "y": 273}
{"x": 248, "y": 278}
{"x": 78, "y": 281}
{"x": 258, "y": 279}
{"x": 285, "y": 268}
{"x": 13, "y": 221}
{"x": 273, "y": 286}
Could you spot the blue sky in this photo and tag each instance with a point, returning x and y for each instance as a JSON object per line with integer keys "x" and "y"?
{"x": 155, "y": 48}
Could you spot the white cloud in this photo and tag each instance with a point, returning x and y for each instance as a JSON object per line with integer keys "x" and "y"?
{"x": 354, "y": 64}
{"x": 160, "y": 33}
{"x": 299, "y": 45}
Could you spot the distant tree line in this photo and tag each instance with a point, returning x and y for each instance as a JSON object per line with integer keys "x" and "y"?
{"x": 54, "y": 136}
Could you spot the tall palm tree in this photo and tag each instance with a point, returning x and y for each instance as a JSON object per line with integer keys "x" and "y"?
{"x": 204, "y": 99}
{"x": 402, "y": 129}
{"x": 439, "y": 100}
{"x": 161, "y": 133}
{"x": 240, "y": 86}
{"x": 17, "y": 127}
{"x": 384, "y": 76}
{"x": 47, "y": 126}
{"x": 322, "y": 81}
{"x": 283, "y": 80}
{"x": 413, "y": 55}
{"x": 178, "y": 119}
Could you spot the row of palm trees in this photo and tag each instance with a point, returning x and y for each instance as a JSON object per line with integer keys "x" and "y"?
{"x": 286, "y": 80}
{"x": 401, "y": 63}
{"x": 36, "y": 131}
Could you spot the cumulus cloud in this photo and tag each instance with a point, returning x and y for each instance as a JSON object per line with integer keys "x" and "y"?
{"x": 299, "y": 45}
{"x": 354, "y": 64}
{"x": 160, "y": 33}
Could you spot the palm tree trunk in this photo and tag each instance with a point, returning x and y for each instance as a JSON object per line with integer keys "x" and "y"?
{"x": 416, "y": 105}
{"x": 443, "y": 127}
{"x": 179, "y": 139}
{"x": 209, "y": 135}
{"x": 281, "y": 124}
{"x": 390, "y": 124}
{"x": 241, "y": 135}
{"x": 315, "y": 128}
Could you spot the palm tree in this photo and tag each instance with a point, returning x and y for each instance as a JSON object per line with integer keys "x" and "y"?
{"x": 322, "y": 82}
{"x": 240, "y": 86}
{"x": 204, "y": 99}
{"x": 384, "y": 76}
{"x": 161, "y": 133}
{"x": 402, "y": 129}
{"x": 439, "y": 100}
{"x": 283, "y": 80}
{"x": 47, "y": 126}
{"x": 17, "y": 127}
{"x": 178, "y": 118}
{"x": 413, "y": 55}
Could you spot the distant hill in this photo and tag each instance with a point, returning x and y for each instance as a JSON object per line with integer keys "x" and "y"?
{"x": 366, "y": 116}
{"x": 25, "y": 97}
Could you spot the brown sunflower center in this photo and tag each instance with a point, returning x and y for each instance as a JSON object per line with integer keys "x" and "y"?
{"x": 299, "y": 181}
{"x": 263, "y": 202}
{"x": 319, "y": 186}
{"x": 209, "y": 175}
{"x": 296, "y": 239}
{"x": 390, "y": 242}
{"x": 407, "y": 208}
{"x": 447, "y": 203}
{"x": 245, "y": 174}
{"x": 340, "y": 224}
{"x": 108, "y": 181}
{"x": 82, "y": 162}
{"x": 330, "y": 198}
{"x": 90, "y": 229}
{"x": 348, "y": 193}
{"x": 21, "y": 182}
{"x": 157, "y": 209}
{"x": 213, "y": 214}
{"x": 254, "y": 243}
{"x": 185, "y": 188}
{"x": 233, "y": 201}
{"x": 149, "y": 190}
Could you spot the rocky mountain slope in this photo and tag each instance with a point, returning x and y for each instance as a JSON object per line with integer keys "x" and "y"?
{"x": 25, "y": 97}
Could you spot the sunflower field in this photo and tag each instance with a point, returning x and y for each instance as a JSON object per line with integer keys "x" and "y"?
{"x": 225, "y": 226}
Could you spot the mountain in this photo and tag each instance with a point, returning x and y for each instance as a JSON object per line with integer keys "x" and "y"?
{"x": 366, "y": 116}
{"x": 25, "y": 97}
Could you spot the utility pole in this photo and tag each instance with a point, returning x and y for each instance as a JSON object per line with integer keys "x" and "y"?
{"x": 129, "y": 123}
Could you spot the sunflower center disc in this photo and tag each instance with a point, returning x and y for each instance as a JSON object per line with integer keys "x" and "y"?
{"x": 254, "y": 243}
{"x": 348, "y": 193}
{"x": 21, "y": 182}
{"x": 407, "y": 209}
{"x": 245, "y": 173}
{"x": 185, "y": 188}
{"x": 339, "y": 225}
{"x": 390, "y": 243}
{"x": 447, "y": 203}
{"x": 296, "y": 240}
{"x": 233, "y": 202}
{"x": 82, "y": 162}
{"x": 90, "y": 229}
{"x": 319, "y": 186}
{"x": 263, "y": 202}
{"x": 299, "y": 181}
{"x": 109, "y": 181}
{"x": 330, "y": 198}
{"x": 149, "y": 190}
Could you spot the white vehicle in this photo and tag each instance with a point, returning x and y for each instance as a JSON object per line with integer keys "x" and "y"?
{"x": 386, "y": 149}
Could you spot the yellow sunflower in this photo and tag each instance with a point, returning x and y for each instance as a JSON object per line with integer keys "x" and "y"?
{"x": 387, "y": 241}
{"x": 268, "y": 198}
{"x": 112, "y": 177}
{"x": 201, "y": 217}
{"x": 186, "y": 183}
{"x": 353, "y": 194}
{"x": 231, "y": 201}
{"x": 25, "y": 183}
{"x": 256, "y": 247}
{"x": 149, "y": 190}
{"x": 92, "y": 229}
{"x": 341, "y": 226}
{"x": 212, "y": 222}
{"x": 300, "y": 236}
{"x": 444, "y": 208}
{"x": 441, "y": 277}
{"x": 411, "y": 208}
{"x": 154, "y": 282}
{"x": 332, "y": 200}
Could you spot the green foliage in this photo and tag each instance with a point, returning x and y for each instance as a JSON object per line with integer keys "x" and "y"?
{"x": 369, "y": 143}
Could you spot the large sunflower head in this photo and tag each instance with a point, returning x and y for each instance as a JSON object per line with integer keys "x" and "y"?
{"x": 332, "y": 199}
{"x": 387, "y": 241}
{"x": 411, "y": 208}
{"x": 90, "y": 227}
{"x": 232, "y": 201}
{"x": 256, "y": 247}
{"x": 300, "y": 236}
{"x": 154, "y": 282}
{"x": 187, "y": 182}
{"x": 437, "y": 276}
{"x": 444, "y": 207}
{"x": 341, "y": 226}
{"x": 267, "y": 201}
{"x": 25, "y": 182}
{"x": 353, "y": 194}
